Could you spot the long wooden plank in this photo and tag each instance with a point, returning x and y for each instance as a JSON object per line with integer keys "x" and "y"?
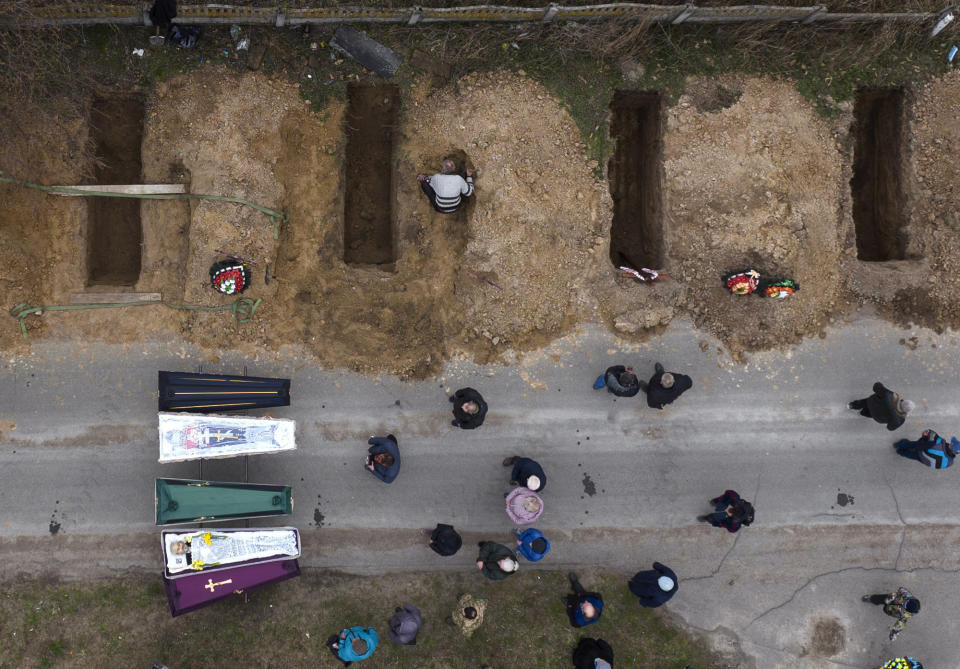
{"x": 131, "y": 189}
{"x": 108, "y": 298}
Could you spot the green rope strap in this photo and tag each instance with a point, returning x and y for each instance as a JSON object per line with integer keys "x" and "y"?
{"x": 277, "y": 217}
{"x": 243, "y": 309}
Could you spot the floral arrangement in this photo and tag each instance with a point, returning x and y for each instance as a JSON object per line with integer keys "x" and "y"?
{"x": 229, "y": 277}
{"x": 742, "y": 283}
{"x": 781, "y": 288}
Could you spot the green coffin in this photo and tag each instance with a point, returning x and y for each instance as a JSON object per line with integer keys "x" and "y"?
{"x": 188, "y": 501}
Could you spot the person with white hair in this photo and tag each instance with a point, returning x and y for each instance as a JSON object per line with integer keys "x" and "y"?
{"x": 654, "y": 587}
{"x": 496, "y": 561}
{"x": 884, "y": 406}
{"x": 447, "y": 189}
{"x": 523, "y": 506}
{"x": 664, "y": 387}
{"x": 583, "y": 608}
{"x": 526, "y": 472}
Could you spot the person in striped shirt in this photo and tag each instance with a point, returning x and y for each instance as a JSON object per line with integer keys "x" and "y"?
{"x": 447, "y": 189}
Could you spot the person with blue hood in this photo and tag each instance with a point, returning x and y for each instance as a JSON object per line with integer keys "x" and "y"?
{"x": 930, "y": 449}
{"x": 655, "y": 586}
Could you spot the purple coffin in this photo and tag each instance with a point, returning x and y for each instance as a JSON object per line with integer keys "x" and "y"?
{"x": 198, "y": 590}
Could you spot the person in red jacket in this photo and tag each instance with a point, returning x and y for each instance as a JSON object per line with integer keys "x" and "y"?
{"x": 730, "y": 511}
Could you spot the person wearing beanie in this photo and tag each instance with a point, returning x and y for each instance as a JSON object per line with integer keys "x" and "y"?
{"x": 383, "y": 458}
{"x": 444, "y": 540}
{"x": 468, "y": 615}
{"x": 930, "y": 449}
{"x": 469, "y": 409}
{"x": 654, "y": 587}
{"x": 531, "y": 544}
{"x": 496, "y": 561}
{"x": 523, "y": 506}
{"x": 901, "y": 663}
{"x": 526, "y": 472}
{"x": 884, "y": 406}
{"x": 900, "y": 605}
{"x": 619, "y": 380}
{"x": 592, "y": 654}
{"x": 729, "y": 511}
{"x": 664, "y": 387}
{"x": 405, "y": 624}
{"x": 583, "y": 608}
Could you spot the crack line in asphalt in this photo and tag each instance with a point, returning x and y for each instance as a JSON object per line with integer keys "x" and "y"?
{"x": 903, "y": 532}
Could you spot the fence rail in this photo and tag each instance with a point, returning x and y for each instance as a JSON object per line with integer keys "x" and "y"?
{"x": 138, "y": 14}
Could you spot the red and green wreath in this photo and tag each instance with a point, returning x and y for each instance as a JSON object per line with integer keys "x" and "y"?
{"x": 229, "y": 277}
{"x": 781, "y": 288}
{"x": 742, "y": 283}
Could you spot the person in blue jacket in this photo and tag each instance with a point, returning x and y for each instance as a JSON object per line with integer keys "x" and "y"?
{"x": 930, "y": 449}
{"x": 654, "y": 587}
{"x": 383, "y": 458}
{"x": 353, "y": 644}
{"x": 531, "y": 544}
{"x": 583, "y": 608}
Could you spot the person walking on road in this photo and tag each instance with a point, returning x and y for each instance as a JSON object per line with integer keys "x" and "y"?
{"x": 405, "y": 624}
{"x": 524, "y": 506}
{"x": 383, "y": 458}
{"x": 884, "y": 406}
{"x": 583, "y": 608}
{"x": 469, "y": 409}
{"x": 446, "y": 189}
{"x": 531, "y": 544}
{"x": 900, "y": 605}
{"x": 729, "y": 511}
{"x": 526, "y": 472}
{"x": 930, "y": 449}
{"x": 496, "y": 561}
{"x": 353, "y": 644}
{"x": 619, "y": 380}
{"x": 901, "y": 663}
{"x": 468, "y": 615}
{"x": 592, "y": 654}
{"x": 654, "y": 587}
{"x": 444, "y": 540}
{"x": 664, "y": 387}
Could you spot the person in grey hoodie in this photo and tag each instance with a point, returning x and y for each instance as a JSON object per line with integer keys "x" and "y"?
{"x": 405, "y": 624}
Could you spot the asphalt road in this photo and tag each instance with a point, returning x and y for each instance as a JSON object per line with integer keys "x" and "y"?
{"x": 838, "y": 513}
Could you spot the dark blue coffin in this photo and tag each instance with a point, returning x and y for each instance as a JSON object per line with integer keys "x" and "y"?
{"x": 210, "y": 393}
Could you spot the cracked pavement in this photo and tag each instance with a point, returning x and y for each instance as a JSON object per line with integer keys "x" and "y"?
{"x": 838, "y": 513}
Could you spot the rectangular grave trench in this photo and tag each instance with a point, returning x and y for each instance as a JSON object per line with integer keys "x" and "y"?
{"x": 368, "y": 230}
{"x": 877, "y": 183}
{"x": 114, "y": 234}
{"x": 636, "y": 235}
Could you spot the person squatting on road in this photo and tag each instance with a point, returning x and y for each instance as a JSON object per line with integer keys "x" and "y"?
{"x": 901, "y": 663}
{"x": 664, "y": 387}
{"x": 531, "y": 544}
{"x": 405, "y": 624}
{"x": 730, "y": 511}
{"x": 884, "y": 406}
{"x": 446, "y": 189}
{"x": 592, "y": 654}
{"x": 353, "y": 644}
{"x": 583, "y": 608}
{"x": 469, "y": 409}
{"x": 444, "y": 540}
{"x": 524, "y": 506}
{"x": 496, "y": 561}
{"x": 930, "y": 449}
{"x": 468, "y": 615}
{"x": 900, "y": 605}
{"x": 383, "y": 458}
{"x": 655, "y": 586}
{"x": 526, "y": 472}
{"x": 619, "y": 380}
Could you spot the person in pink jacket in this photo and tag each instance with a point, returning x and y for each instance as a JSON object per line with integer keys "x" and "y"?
{"x": 524, "y": 506}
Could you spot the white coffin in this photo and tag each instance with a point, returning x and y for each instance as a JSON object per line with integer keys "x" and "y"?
{"x": 195, "y": 436}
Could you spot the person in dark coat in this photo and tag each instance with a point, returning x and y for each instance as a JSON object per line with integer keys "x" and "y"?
{"x": 664, "y": 387}
{"x": 930, "y": 449}
{"x": 884, "y": 406}
{"x": 592, "y": 653}
{"x": 469, "y": 409}
{"x": 730, "y": 511}
{"x": 405, "y": 624}
{"x": 444, "y": 540}
{"x": 583, "y": 608}
{"x": 619, "y": 380}
{"x": 496, "y": 561}
{"x": 383, "y": 458}
{"x": 526, "y": 472}
{"x": 654, "y": 587}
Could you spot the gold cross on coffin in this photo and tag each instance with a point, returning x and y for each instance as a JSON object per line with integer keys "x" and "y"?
{"x": 211, "y": 585}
